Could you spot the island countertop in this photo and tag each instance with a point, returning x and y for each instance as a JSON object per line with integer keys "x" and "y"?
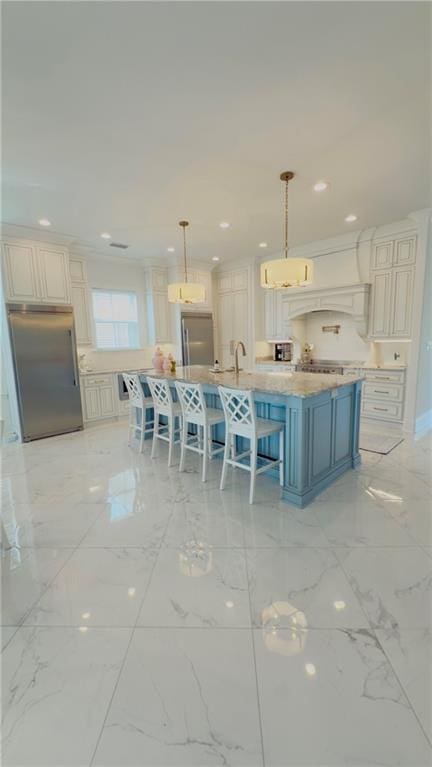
{"x": 287, "y": 383}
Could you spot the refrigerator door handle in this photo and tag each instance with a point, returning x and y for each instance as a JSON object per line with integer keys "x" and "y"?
{"x": 187, "y": 346}
{"x": 74, "y": 364}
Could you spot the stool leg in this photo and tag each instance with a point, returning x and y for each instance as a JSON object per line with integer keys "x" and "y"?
{"x": 253, "y": 465}
{"x": 205, "y": 452}
{"x": 225, "y": 458}
{"x": 171, "y": 439}
{"x": 183, "y": 445}
{"x": 210, "y": 443}
{"x": 155, "y": 433}
{"x": 281, "y": 457}
{"x": 142, "y": 430}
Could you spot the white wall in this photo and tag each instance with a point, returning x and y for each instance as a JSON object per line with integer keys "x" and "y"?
{"x": 111, "y": 275}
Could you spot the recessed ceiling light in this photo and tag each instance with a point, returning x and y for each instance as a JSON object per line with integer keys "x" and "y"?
{"x": 321, "y": 186}
{"x": 351, "y": 218}
{"x": 215, "y": 258}
{"x": 262, "y": 245}
{"x": 224, "y": 225}
{"x": 44, "y": 222}
{"x": 171, "y": 249}
{"x": 106, "y": 236}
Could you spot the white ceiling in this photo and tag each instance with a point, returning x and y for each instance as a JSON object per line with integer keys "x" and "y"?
{"x": 125, "y": 117}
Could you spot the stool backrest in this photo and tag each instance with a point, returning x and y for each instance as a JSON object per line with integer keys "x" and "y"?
{"x": 239, "y": 410}
{"x": 133, "y": 384}
{"x": 192, "y": 401}
{"x": 161, "y": 394}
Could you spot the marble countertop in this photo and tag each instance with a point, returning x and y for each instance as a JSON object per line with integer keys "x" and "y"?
{"x": 354, "y": 365}
{"x": 291, "y": 384}
{"x": 110, "y": 371}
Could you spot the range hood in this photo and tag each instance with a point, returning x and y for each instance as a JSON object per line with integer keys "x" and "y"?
{"x": 348, "y": 299}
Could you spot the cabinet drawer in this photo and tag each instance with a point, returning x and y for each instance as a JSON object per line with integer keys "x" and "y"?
{"x": 383, "y": 391}
{"x": 391, "y": 411}
{"x": 392, "y": 376}
{"x": 101, "y": 380}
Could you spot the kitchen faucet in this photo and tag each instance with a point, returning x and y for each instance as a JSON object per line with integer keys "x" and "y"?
{"x": 236, "y": 348}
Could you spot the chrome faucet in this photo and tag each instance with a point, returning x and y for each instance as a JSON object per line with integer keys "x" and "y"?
{"x": 236, "y": 348}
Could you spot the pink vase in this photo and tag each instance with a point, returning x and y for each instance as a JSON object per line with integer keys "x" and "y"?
{"x": 158, "y": 360}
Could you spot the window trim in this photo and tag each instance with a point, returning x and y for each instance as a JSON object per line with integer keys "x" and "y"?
{"x": 94, "y": 321}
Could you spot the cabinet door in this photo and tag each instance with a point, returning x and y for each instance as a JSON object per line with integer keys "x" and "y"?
{"x": 81, "y": 314}
{"x": 381, "y": 298}
{"x": 77, "y": 270}
{"x": 402, "y": 296}
{"x": 240, "y": 279}
{"x": 107, "y": 401}
{"x": 161, "y": 318}
{"x": 382, "y": 256}
{"x": 226, "y": 327}
{"x": 92, "y": 404}
{"x": 269, "y": 315}
{"x": 224, "y": 283}
{"x": 241, "y": 323}
{"x": 405, "y": 251}
{"x": 54, "y": 274}
{"x": 21, "y": 276}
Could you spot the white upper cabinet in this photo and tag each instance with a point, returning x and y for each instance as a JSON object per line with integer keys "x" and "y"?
{"x": 21, "y": 273}
{"x": 392, "y": 288}
{"x": 35, "y": 272}
{"x": 233, "y": 314}
{"x": 54, "y": 276}
{"x": 80, "y": 298}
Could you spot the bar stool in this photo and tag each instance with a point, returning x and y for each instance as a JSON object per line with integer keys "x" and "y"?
{"x": 241, "y": 420}
{"x": 164, "y": 405}
{"x": 196, "y": 412}
{"x": 139, "y": 403}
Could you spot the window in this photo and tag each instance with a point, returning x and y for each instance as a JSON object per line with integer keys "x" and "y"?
{"x": 116, "y": 319}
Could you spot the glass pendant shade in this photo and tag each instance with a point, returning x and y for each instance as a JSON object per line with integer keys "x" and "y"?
{"x": 287, "y": 273}
{"x": 186, "y": 292}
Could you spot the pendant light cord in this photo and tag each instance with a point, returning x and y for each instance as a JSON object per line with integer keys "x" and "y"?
{"x": 286, "y": 219}
{"x": 184, "y": 253}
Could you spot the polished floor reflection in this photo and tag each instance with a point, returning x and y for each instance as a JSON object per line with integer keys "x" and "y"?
{"x": 151, "y": 620}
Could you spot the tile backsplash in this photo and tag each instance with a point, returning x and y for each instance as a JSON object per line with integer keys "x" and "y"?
{"x": 118, "y": 360}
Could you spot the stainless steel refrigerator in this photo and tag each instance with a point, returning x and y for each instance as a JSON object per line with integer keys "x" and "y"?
{"x": 197, "y": 338}
{"x": 46, "y": 370}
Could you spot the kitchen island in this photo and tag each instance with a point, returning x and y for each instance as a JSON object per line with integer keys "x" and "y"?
{"x": 321, "y": 414}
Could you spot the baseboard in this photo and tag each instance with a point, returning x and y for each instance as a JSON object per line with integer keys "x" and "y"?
{"x": 423, "y": 424}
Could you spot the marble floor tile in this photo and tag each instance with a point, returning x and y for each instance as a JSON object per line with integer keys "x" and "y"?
{"x": 54, "y": 525}
{"x": 170, "y": 706}
{"x": 210, "y": 522}
{"x": 410, "y": 654}
{"x": 56, "y": 687}
{"x": 197, "y": 585}
{"x": 301, "y": 587}
{"x": 7, "y": 633}
{"x": 97, "y": 587}
{"x": 124, "y": 522}
{"x": 393, "y": 585}
{"x": 360, "y": 523}
{"x": 334, "y": 700}
{"x": 26, "y": 573}
{"x": 415, "y": 517}
{"x": 275, "y": 525}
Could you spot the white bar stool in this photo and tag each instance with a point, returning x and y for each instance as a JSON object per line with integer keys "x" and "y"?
{"x": 196, "y": 412}
{"x": 139, "y": 403}
{"x": 241, "y": 420}
{"x": 164, "y": 405}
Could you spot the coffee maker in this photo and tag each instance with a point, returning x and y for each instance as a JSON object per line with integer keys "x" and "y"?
{"x": 282, "y": 351}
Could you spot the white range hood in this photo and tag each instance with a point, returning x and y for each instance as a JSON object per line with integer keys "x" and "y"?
{"x": 349, "y": 299}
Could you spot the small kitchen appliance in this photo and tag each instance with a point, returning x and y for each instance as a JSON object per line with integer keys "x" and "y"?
{"x": 282, "y": 351}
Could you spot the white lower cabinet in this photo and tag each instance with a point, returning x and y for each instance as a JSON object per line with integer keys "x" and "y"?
{"x": 383, "y": 393}
{"x": 99, "y": 397}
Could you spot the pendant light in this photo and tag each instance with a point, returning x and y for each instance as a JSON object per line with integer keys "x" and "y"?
{"x": 186, "y": 292}
{"x": 286, "y": 272}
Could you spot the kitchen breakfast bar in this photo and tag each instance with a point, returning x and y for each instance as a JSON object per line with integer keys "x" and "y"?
{"x": 320, "y": 413}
